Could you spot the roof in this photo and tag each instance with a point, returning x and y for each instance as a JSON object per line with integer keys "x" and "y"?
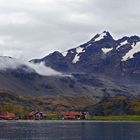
{"x": 70, "y": 113}
{"x": 7, "y": 115}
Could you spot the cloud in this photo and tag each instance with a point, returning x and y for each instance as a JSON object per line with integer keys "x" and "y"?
{"x": 41, "y": 69}
{"x": 35, "y": 28}
{"x": 18, "y": 18}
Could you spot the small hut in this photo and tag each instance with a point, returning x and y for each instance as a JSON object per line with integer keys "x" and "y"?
{"x": 36, "y": 115}
{"x": 74, "y": 115}
{"x": 7, "y": 116}
{"x": 70, "y": 115}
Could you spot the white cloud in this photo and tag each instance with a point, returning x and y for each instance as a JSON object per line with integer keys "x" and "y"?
{"x": 41, "y": 69}
{"x": 14, "y": 18}
{"x": 81, "y": 18}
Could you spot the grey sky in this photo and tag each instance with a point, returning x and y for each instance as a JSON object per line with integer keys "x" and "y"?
{"x": 34, "y": 28}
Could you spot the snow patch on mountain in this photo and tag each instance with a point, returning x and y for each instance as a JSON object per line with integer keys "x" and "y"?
{"x": 130, "y": 53}
{"x": 65, "y": 53}
{"x": 107, "y": 50}
{"x": 101, "y": 36}
{"x": 88, "y": 45}
{"x": 79, "y": 50}
{"x": 77, "y": 56}
{"x": 122, "y": 44}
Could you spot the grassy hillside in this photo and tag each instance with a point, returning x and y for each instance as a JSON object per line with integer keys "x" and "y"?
{"x": 118, "y": 105}
{"x": 110, "y": 106}
{"x": 22, "y": 104}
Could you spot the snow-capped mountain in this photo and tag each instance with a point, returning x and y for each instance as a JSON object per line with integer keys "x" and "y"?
{"x": 93, "y": 69}
{"x": 102, "y": 54}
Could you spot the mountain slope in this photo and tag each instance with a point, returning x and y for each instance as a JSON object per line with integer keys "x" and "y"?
{"x": 78, "y": 84}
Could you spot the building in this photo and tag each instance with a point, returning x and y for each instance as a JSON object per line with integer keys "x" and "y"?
{"x": 73, "y": 115}
{"x": 36, "y": 115}
{"x": 7, "y": 116}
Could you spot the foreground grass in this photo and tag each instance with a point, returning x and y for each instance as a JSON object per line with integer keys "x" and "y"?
{"x": 104, "y": 118}
{"x": 115, "y": 118}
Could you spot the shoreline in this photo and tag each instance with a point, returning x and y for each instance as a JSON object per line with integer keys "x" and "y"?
{"x": 127, "y": 118}
{"x": 67, "y": 121}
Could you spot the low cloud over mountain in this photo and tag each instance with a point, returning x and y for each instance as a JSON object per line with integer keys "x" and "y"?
{"x": 13, "y": 63}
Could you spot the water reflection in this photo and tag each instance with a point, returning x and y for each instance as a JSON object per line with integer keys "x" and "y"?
{"x": 47, "y": 130}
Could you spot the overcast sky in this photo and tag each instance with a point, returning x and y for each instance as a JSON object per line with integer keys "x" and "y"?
{"x": 34, "y": 28}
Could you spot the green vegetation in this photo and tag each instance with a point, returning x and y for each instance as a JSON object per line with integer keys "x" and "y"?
{"x": 116, "y": 118}
{"x": 53, "y": 116}
{"x": 19, "y": 110}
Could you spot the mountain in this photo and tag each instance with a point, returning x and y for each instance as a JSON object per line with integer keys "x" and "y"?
{"x": 95, "y": 76}
{"x": 102, "y": 55}
{"x": 24, "y": 78}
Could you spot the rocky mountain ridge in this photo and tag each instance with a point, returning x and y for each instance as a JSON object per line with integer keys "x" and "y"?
{"x": 101, "y": 55}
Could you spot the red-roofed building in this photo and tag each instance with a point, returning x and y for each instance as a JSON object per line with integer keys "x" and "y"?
{"x": 7, "y": 116}
{"x": 70, "y": 115}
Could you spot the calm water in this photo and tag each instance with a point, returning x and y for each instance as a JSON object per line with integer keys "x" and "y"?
{"x": 47, "y": 130}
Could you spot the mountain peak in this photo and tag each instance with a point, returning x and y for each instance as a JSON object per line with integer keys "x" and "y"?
{"x": 101, "y": 36}
{"x": 132, "y": 39}
{"x": 105, "y": 32}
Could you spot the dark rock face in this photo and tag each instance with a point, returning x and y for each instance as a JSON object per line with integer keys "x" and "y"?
{"x": 101, "y": 55}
